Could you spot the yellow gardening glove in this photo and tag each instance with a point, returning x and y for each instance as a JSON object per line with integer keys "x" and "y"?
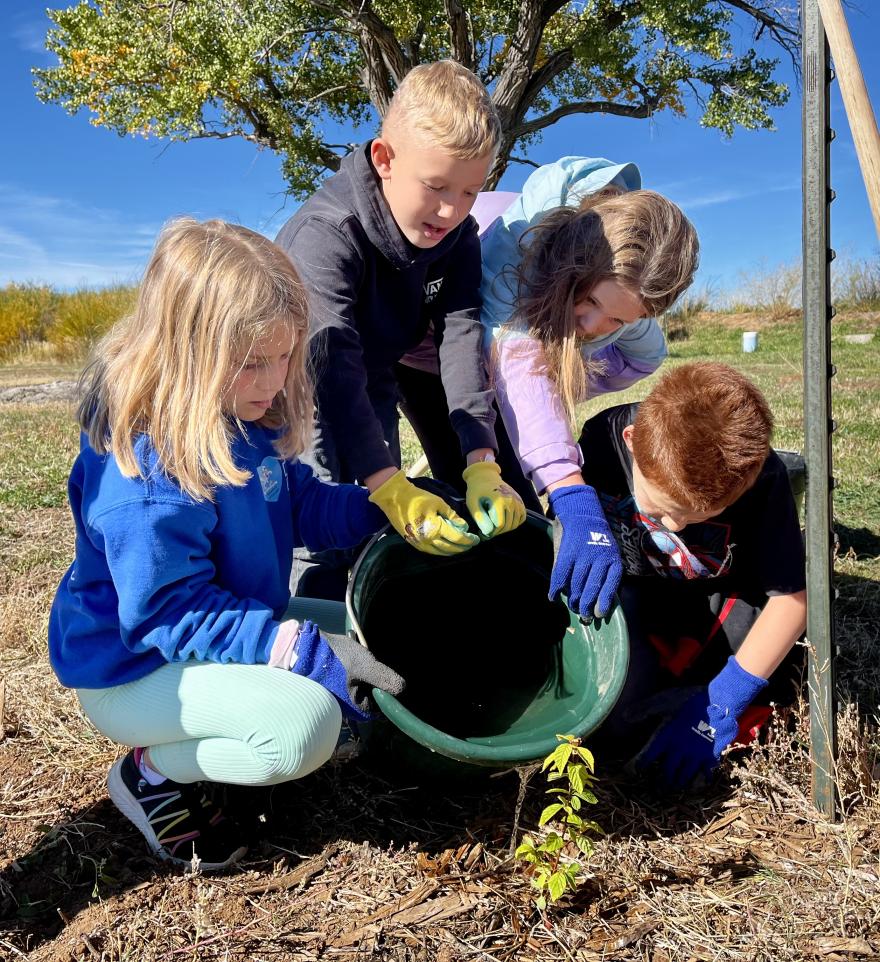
{"x": 424, "y": 520}
{"x": 494, "y": 505}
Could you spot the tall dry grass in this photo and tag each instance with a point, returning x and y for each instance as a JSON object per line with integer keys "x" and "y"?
{"x": 776, "y": 289}
{"x": 57, "y": 325}
{"x": 26, "y": 313}
{"x": 856, "y": 283}
{"x": 675, "y": 322}
{"x": 85, "y": 315}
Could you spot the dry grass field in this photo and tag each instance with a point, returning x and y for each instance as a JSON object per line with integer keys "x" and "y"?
{"x": 368, "y": 859}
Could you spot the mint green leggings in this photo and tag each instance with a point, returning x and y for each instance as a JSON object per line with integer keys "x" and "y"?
{"x": 240, "y": 724}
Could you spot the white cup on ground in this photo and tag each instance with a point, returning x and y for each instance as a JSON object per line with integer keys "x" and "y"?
{"x": 750, "y": 341}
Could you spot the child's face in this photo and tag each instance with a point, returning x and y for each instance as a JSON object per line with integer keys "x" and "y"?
{"x": 429, "y": 191}
{"x": 655, "y": 502}
{"x": 259, "y": 375}
{"x": 607, "y": 307}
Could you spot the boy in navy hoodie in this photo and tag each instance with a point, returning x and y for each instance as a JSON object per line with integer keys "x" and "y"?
{"x": 391, "y": 258}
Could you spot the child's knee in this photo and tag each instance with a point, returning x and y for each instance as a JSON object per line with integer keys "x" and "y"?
{"x": 297, "y": 742}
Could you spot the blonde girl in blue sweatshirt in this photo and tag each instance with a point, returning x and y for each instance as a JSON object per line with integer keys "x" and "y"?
{"x": 188, "y": 500}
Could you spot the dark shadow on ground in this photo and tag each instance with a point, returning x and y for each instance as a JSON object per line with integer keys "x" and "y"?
{"x": 857, "y": 641}
{"x": 386, "y": 800}
{"x": 97, "y": 853}
{"x": 864, "y": 542}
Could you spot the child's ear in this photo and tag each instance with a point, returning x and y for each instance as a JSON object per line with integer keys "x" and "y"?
{"x": 382, "y": 153}
{"x": 627, "y": 435}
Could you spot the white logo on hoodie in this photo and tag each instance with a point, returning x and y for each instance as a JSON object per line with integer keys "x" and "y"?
{"x": 432, "y": 289}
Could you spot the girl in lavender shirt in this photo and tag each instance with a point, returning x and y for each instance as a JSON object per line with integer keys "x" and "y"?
{"x": 574, "y": 271}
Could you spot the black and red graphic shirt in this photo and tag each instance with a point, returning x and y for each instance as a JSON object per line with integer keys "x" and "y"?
{"x": 755, "y": 545}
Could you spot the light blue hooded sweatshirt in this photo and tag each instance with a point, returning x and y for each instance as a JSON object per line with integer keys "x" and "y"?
{"x": 529, "y": 403}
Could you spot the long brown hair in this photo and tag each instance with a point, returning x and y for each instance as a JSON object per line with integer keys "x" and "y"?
{"x": 638, "y": 238}
{"x": 210, "y": 291}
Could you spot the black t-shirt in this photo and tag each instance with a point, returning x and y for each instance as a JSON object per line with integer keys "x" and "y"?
{"x": 754, "y": 547}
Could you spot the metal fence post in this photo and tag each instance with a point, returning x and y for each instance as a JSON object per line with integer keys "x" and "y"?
{"x": 818, "y": 425}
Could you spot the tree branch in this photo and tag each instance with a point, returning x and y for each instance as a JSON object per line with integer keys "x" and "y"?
{"x": 262, "y": 131}
{"x": 638, "y": 111}
{"x": 330, "y": 159}
{"x": 384, "y": 58}
{"x": 414, "y": 44}
{"x": 787, "y": 37}
{"x": 326, "y": 156}
{"x": 777, "y": 26}
{"x": 460, "y": 35}
{"x": 551, "y": 7}
{"x": 552, "y": 68}
{"x": 324, "y": 93}
{"x": 522, "y": 160}
{"x": 266, "y": 76}
{"x": 361, "y": 14}
{"x": 205, "y": 134}
{"x": 522, "y": 51}
{"x": 374, "y": 75}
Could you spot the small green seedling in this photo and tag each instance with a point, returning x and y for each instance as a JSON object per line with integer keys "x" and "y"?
{"x": 553, "y": 871}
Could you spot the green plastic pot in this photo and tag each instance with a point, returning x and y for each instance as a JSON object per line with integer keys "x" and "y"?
{"x": 494, "y": 669}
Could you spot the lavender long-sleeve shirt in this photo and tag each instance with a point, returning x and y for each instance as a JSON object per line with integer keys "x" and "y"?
{"x": 529, "y": 402}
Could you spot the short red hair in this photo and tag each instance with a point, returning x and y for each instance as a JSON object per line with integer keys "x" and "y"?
{"x": 702, "y": 435}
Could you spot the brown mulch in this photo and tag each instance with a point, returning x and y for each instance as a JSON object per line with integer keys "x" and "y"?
{"x": 358, "y": 862}
{"x": 369, "y": 859}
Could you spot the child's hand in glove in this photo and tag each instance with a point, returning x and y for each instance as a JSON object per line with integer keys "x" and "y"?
{"x": 345, "y": 668}
{"x": 494, "y": 505}
{"x": 586, "y": 563}
{"x": 423, "y": 519}
{"x": 692, "y": 741}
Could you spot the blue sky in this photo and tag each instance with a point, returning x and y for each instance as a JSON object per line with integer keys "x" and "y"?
{"x": 81, "y": 206}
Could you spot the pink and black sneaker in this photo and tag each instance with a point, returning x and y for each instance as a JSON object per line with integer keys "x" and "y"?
{"x": 179, "y": 822}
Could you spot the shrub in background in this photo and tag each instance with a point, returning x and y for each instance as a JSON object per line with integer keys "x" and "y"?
{"x": 688, "y": 307}
{"x": 84, "y": 316}
{"x": 855, "y": 283}
{"x": 26, "y": 314}
{"x": 774, "y": 290}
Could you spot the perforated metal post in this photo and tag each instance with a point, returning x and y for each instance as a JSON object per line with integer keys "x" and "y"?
{"x": 818, "y": 425}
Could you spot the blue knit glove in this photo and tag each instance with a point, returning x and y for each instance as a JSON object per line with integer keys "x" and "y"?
{"x": 690, "y": 744}
{"x": 345, "y": 668}
{"x": 586, "y": 561}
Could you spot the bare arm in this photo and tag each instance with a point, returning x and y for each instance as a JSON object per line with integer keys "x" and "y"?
{"x": 773, "y": 635}
{"x": 575, "y": 478}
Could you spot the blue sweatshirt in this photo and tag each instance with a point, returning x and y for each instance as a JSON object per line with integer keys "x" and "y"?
{"x": 160, "y": 577}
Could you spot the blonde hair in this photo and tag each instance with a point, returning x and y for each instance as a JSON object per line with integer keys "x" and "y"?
{"x": 445, "y": 105}
{"x": 638, "y": 238}
{"x": 210, "y": 291}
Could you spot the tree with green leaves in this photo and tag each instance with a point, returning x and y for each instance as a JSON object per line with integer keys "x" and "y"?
{"x": 279, "y": 73}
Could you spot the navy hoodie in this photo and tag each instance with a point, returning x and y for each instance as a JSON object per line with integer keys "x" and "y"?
{"x": 372, "y": 296}
{"x": 160, "y": 577}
